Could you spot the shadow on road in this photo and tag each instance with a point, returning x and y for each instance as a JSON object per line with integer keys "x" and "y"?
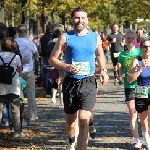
{"x": 49, "y": 132}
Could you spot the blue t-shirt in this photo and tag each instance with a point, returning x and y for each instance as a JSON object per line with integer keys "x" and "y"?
{"x": 144, "y": 77}
{"x": 81, "y": 49}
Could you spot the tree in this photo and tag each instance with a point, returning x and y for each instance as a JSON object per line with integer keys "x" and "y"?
{"x": 101, "y": 12}
{"x": 2, "y": 11}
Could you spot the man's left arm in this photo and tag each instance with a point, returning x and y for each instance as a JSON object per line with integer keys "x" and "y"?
{"x": 101, "y": 60}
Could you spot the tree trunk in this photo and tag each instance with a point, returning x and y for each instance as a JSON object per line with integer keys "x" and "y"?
{"x": 23, "y": 18}
{"x": 63, "y": 17}
{"x": 13, "y": 19}
{"x": 54, "y": 18}
{"x": 2, "y": 14}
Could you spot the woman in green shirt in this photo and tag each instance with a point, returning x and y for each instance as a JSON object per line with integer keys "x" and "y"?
{"x": 125, "y": 60}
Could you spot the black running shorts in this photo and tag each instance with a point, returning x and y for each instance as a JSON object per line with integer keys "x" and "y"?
{"x": 114, "y": 60}
{"x": 129, "y": 94}
{"x": 54, "y": 84}
{"x": 79, "y": 94}
{"x": 141, "y": 104}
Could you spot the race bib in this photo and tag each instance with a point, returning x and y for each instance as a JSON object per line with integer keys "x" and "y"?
{"x": 116, "y": 55}
{"x": 141, "y": 92}
{"x": 84, "y": 67}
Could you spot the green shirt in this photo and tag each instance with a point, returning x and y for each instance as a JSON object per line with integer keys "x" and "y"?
{"x": 125, "y": 59}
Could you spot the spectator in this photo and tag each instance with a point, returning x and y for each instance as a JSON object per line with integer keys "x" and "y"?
{"x": 36, "y": 40}
{"x": 105, "y": 46}
{"x": 45, "y": 56}
{"x": 4, "y": 120}
{"x": 54, "y": 73}
{"x": 12, "y": 91}
{"x": 28, "y": 50}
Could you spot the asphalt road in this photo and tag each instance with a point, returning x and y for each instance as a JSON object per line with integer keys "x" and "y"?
{"x": 47, "y": 133}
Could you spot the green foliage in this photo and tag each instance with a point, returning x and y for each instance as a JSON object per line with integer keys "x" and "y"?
{"x": 101, "y": 12}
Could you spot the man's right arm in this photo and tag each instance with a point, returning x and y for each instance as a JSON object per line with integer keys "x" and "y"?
{"x": 58, "y": 48}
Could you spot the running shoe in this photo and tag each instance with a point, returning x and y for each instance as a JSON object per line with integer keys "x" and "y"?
{"x": 70, "y": 146}
{"x": 24, "y": 123}
{"x": 34, "y": 119}
{"x": 137, "y": 143}
{"x": 53, "y": 100}
{"x": 92, "y": 132}
{"x": 19, "y": 135}
{"x": 115, "y": 82}
{"x": 5, "y": 124}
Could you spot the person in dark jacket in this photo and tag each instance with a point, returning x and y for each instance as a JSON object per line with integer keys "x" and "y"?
{"x": 45, "y": 56}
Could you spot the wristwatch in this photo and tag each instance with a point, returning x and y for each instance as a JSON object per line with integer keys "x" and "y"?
{"x": 105, "y": 70}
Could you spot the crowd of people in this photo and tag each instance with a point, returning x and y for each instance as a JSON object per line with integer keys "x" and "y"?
{"x": 64, "y": 60}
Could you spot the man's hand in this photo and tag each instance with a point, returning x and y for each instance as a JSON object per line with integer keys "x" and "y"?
{"x": 114, "y": 40}
{"x": 103, "y": 77}
{"x": 25, "y": 60}
{"x": 122, "y": 44}
{"x": 73, "y": 69}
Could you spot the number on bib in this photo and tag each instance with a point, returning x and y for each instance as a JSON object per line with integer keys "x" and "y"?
{"x": 141, "y": 92}
{"x": 84, "y": 67}
{"x": 116, "y": 55}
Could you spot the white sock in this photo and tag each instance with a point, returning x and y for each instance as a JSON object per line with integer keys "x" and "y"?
{"x": 147, "y": 139}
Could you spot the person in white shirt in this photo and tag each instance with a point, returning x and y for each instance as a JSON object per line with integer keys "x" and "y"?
{"x": 11, "y": 90}
{"x": 28, "y": 50}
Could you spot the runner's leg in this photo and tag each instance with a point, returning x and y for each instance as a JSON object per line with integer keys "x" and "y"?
{"x": 83, "y": 137}
{"x": 144, "y": 123}
{"x": 133, "y": 118}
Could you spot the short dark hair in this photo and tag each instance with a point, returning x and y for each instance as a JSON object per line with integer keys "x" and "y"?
{"x": 21, "y": 25}
{"x": 3, "y": 31}
{"x": 140, "y": 29}
{"x": 57, "y": 33}
{"x": 8, "y": 44}
{"x": 50, "y": 27}
{"x": 12, "y": 31}
{"x": 77, "y": 10}
{"x": 113, "y": 25}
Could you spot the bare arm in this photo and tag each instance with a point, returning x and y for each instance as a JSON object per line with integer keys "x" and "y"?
{"x": 19, "y": 69}
{"x": 100, "y": 57}
{"x": 97, "y": 68}
{"x": 107, "y": 42}
{"x": 121, "y": 69}
{"x": 123, "y": 42}
{"x": 135, "y": 71}
{"x": 53, "y": 60}
{"x": 101, "y": 60}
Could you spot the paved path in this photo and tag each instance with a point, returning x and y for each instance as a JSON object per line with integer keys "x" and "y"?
{"x": 111, "y": 121}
